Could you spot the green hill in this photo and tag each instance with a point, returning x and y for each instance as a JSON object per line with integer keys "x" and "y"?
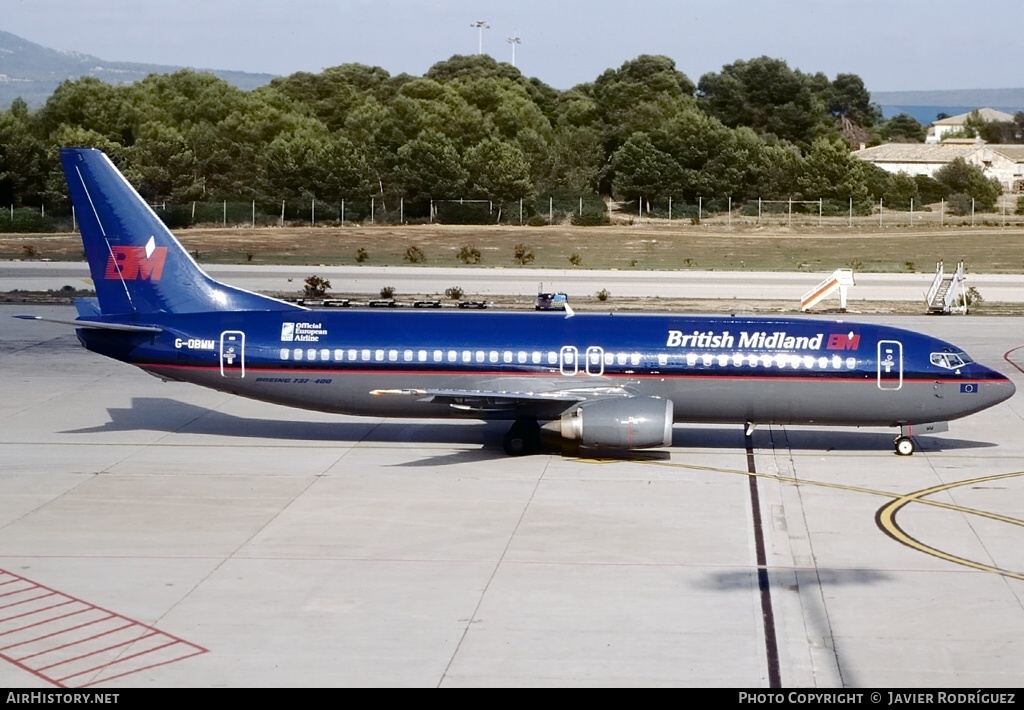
{"x": 32, "y": 72}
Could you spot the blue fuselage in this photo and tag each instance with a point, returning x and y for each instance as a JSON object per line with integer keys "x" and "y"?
{"x": 714, "y": 369}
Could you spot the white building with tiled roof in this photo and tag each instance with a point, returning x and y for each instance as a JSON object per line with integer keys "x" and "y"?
{"x": 1003, "y": 162}
{"x": 954, "y": 123}
{"x": 915, "y": 158}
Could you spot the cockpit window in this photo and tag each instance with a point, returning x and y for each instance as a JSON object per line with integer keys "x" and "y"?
{"x": 949, "y": 360}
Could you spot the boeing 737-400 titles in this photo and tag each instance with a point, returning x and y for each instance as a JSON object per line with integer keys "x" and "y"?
{"x": 602, "y": 380}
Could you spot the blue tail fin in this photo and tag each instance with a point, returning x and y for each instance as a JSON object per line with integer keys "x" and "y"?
{"x": 137, "y": 265}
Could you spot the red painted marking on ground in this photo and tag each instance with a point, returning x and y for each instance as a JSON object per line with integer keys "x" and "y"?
{"x": 1006, "y": 356}
{"x": 53, "y": 647}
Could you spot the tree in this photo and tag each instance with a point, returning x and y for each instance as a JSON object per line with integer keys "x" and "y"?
{"x": 430, "y": 166}
{"x": 902, "y": 189}
{"x": 499, "y": 170}
{"x": 22, "y": 158}
{"x": 640, "y": 169}
{"x": 768, "y": 96}
{"x": 850, "y": 98}
{"x": 831, "y": 172}
{"x": 165, "y": 164}
{"x": 573, "y": 161}
{"x": 638, "y": 96}
{"x": 903, "y": 128}
{"x": 960, "y": 177}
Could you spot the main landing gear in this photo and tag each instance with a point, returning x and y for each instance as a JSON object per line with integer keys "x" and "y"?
{"x": 523, "y": 438}
{"x": 904, "y": 445}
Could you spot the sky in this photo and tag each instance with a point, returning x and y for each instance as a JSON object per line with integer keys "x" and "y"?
{"x": 893, "y": 45}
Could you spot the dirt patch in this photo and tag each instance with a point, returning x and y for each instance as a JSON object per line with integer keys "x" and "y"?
{"x": 639, "y": 247}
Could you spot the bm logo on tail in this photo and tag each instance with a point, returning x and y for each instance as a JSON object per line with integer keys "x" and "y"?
{"x": 134, "y": 264}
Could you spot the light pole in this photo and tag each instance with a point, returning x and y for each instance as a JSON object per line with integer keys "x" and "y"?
{"x": 480, "y": 25}
{"x": 514, "y": 40}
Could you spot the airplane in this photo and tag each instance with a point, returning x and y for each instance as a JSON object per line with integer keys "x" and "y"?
{"x": 594, "y": 380}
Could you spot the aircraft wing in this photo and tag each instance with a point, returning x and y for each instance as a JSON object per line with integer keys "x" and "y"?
{"x": 126, "y": 327}
{"x": 479, "y": 401}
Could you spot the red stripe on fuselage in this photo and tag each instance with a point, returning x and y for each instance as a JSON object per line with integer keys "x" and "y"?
{"x": 864, "y": 377}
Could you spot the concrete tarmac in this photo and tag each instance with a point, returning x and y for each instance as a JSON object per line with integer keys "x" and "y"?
{"x": 1009, "y": 288}
{"x": 160, "y": 535}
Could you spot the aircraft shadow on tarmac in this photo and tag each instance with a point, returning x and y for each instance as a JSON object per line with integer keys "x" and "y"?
{"x": 747, "y": 578}
{"x": 173, "y": 416}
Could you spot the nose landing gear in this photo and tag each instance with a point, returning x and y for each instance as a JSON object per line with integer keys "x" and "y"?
{"x": 904, "y": 445}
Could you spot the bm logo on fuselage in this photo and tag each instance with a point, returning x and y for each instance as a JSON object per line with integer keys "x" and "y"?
{"x": 133, "y": 264}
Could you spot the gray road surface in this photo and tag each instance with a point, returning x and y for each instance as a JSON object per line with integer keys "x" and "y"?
{"x": 159, "y": 535}
{"x": 42, "y": 276}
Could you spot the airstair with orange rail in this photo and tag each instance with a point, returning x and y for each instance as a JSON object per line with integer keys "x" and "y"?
{"x": 840, "y": 280}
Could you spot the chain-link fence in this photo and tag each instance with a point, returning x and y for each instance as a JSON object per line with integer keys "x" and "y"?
{"x": 589, "y": 210}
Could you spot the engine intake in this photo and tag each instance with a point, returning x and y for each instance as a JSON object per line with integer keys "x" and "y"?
{"x": 620, "y": 423}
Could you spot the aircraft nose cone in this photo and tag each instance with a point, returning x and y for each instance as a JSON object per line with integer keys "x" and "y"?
{"x": 996, "y": 388}
{"x": 1005, "y": 389}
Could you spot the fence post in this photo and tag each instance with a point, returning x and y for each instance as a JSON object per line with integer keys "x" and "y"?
{"x": 520, "y": 210}
{"x": 759, "y": 210}
{"x": 401, "y": 209}
{"x": 74, "y": 221}
{"x": 819, "y": 213}
{"x": 942, "y": 212}
{"x": 911, "y": 211}
{"x": 254, "y": 214}
{"x": 312, "y": 212}
{"x": 551, "y": 210}
{"x": 700, "y": 208}
{"x": 373, "y": 208}
{"x": 343, "y": 210}
{"x": 225, "y": 213}
{"x": 850, "y": 224}
{"x": 972, "y": 211}
{"x": 581, "y": 206}
{"x": 193, "y": 212}
{"x": 879, "y": 212}
{"x": 670, "y": 208}
{"x": 790, "y": 211}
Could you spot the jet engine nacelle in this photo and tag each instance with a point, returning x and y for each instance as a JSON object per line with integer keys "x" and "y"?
{"x": 620, "y": 423}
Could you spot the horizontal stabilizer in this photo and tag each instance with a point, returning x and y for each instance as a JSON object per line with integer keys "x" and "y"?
{"x": 100, "y": 325}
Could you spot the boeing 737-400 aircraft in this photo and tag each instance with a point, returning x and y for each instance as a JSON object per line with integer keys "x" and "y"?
{"x": 602, "y": 380}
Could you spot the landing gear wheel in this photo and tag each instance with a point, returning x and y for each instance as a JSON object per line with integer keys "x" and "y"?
{"x": 904, "y": 445}
{"x": 523, "y": 438}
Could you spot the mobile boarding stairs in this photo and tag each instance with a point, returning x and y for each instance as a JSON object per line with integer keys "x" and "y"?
{"x": 948, "y": 293}
{"x": 840, "y": 280}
